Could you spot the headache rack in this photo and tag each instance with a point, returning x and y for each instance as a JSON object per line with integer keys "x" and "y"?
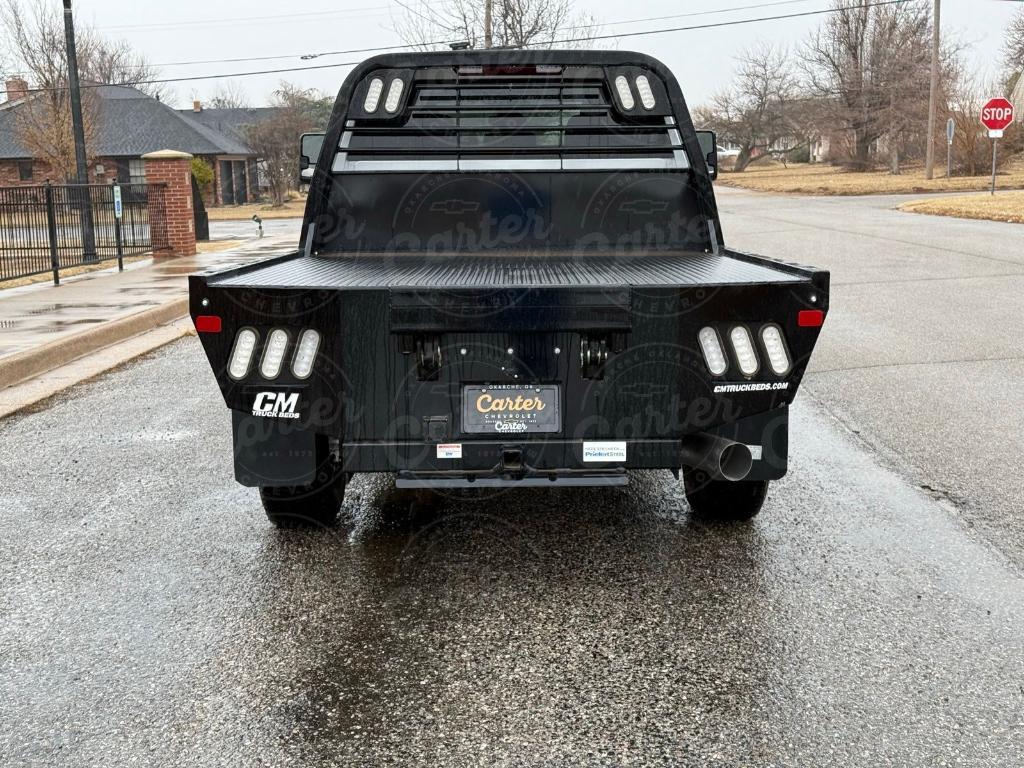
{"x": 476, "y": 118}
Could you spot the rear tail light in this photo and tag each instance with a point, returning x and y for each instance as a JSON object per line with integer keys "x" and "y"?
{"x": 743, "y": 346}
{"x": 208, "y": 324}
{"x": 643, "y": 87}
{"x": 810, "y": 318}
{"x": 775, "y": 346}
{"x": 714, "y": 355}
{"x": 373, "y": 95}
{"x": 305, "y": 353}
{"x": 625, "y": 94}
{"x": 241, "y": 353}
{"x": 273, "y": 354}
{"x": 394, "y": 95}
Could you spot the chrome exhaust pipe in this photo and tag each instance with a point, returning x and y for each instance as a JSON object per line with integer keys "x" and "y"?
{"x": 722, "y": 459}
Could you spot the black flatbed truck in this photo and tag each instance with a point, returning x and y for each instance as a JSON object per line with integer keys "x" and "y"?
{"x": 512, "y": 273}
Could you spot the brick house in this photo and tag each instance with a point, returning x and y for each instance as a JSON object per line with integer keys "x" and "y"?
{"x": 130, "y": 124}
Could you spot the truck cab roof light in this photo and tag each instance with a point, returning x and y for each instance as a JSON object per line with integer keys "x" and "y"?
{"x": 775, "y": 346}
{"x": 714, "y": 355}
{"x": 625, "y": 94}
{"x": 305, "y": 353}
{"x": 394, "y": 95}
{"x": 273, "y": 353}
{"x": 743, "y": 346}
{"x": 643, "y": 87}
{"x": 241, "y": 353}
{"x": 373, "y": 95}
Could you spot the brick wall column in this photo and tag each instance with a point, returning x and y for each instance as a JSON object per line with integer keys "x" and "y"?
{"x": 174, "y": 171}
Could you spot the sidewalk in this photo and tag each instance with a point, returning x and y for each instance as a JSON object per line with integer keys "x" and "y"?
{"x": 44, "y": 328}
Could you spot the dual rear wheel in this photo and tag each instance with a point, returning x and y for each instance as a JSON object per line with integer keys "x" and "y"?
{"x": 723, "y": 500}
{"x": 307, "y": 506}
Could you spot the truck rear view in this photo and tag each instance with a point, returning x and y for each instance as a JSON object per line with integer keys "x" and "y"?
{"x": 511, "y": 273}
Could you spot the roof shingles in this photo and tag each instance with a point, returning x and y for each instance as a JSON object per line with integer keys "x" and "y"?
{"x": 130, "y": 124}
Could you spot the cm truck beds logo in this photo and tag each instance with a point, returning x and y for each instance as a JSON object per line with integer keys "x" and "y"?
{"x": 276, "y": 405}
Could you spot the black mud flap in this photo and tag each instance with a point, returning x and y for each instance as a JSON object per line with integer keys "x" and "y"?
{"x": 767, "y": 436}
{"x": 272, "y": 452}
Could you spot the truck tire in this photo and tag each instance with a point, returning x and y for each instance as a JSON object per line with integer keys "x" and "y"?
{"x": 723, "y": 500}
{"x": 306, "y": 506}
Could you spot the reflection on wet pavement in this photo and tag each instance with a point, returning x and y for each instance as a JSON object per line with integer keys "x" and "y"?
{"x": 153, "y": 616}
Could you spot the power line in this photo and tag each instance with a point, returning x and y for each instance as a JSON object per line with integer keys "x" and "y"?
{"x": 222, "y": 75}
{"x": 280, "y": 57}
{"x": 245, "y": 20}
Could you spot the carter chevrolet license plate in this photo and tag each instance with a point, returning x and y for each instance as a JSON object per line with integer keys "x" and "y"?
{"x": 511, "y": 409}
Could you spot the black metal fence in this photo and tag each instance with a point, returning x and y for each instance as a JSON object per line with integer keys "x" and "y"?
{"x": 53, "y": 227}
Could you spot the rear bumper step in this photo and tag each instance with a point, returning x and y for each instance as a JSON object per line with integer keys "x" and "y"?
{"x": 529, "y": 478}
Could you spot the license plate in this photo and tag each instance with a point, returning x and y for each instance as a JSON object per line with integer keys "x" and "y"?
{"x": 511, "y": 409}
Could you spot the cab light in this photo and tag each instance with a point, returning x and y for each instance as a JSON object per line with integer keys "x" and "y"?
{"x": 208, "y": 324}
{"x": 241, "y": 354}
{"x": 394, "y": 95}
{"x": 373, "y": 95}
{"x": 743, "y": 346}
{"x": 775, "y": 346}
{"x": 643, "y": 87}
{"x": 625, "y": 95}
{"x": 305, "y": 353}
{"x": 714, "y": 355}
{"x": 273, "y": 354}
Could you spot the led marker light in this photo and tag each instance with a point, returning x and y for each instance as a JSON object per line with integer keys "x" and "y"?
{"x": 273, "y": 353}
{"x": 744, "y": 349}
{"x": 714, "y": 355}
{"x": 643, "y": 87}
{"x": 241, "y": 355}
{"x": 305, "y": 353}
{"x": 775, "y": 346}
{"x": 625, "y": 95}
{"x": 373, "y": 95}
{"x": 394, "y": 95}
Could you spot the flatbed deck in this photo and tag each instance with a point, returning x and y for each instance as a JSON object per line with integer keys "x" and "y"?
{"x": 368, "y": 271}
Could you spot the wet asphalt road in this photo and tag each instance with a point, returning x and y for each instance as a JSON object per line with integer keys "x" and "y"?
{"x": 151, "y": 616}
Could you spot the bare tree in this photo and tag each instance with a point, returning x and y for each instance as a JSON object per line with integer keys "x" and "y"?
{"x": 871, "y": 66}
{"x": 514, "y": 23}
{"x": 275, "y": 139}
{"x": 35, "y": 37}
{"x": 229, "y": 95}
{"x": 1015, "y": 51}
{"x": 33, "y": 34}
{"x": 754, "y": 112}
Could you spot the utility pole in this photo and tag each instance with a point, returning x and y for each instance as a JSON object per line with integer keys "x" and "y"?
{"x": 933, "y": 99}
{"x": 78, "y": 129}
{"x": 488, "y": 23}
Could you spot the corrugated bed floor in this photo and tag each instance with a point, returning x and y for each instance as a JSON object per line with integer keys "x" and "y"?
{"x": 460, "y": 271}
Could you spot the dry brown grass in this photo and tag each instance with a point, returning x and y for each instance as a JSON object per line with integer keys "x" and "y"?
{"x": 290, "y": 210}
{"x": 1005, "y": 206}
{"x": 44, "y": 277}
{"x": 819, "y": 179}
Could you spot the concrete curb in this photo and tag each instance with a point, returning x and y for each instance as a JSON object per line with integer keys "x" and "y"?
{"x": 33, "y": 362}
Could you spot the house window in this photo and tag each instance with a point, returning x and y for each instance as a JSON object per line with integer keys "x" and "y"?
{"x": 25, "y": 170}
{"x": 137, "y": 171}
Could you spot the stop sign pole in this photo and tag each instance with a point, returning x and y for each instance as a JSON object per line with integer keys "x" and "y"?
{"x": 996, "y": 115}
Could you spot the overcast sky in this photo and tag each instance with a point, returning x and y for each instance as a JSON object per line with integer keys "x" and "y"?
{"x": 188, "y": 30}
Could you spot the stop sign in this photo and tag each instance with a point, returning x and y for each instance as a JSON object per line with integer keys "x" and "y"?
{"x": 997, "y": 114}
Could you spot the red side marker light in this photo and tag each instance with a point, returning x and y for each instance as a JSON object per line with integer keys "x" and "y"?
{"x": 208, "y": 324}
{"x": 810, "y": 318}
